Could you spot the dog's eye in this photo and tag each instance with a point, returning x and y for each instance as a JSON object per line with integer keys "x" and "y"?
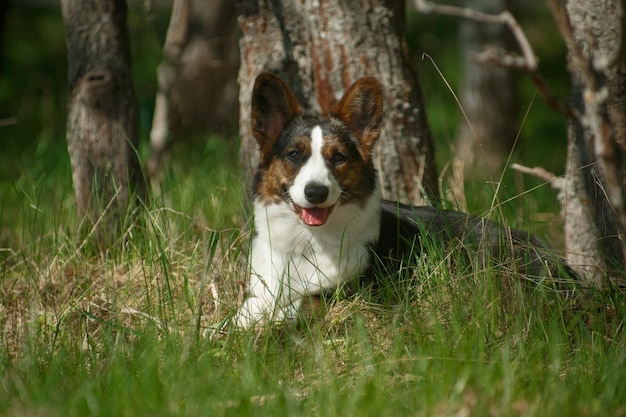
{"x": 293, "y": 155}
{"x": 338, "y": 158}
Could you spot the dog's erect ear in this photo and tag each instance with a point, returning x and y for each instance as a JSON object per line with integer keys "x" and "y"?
{"x": 273, "y": 106}
{"x": 361, "y": 108}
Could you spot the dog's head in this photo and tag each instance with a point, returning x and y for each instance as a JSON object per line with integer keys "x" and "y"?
{"x": 315, "y": 164}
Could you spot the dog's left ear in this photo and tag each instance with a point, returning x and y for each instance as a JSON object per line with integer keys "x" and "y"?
{"x": 273, "y": 106}
{"x": 361, "y": 108}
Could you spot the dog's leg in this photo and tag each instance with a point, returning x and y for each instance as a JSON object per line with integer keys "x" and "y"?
{"x": 266, "y": 305}
{"x": 269, "y": 297}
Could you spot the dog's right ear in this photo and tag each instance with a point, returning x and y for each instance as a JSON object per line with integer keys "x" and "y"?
{"x": 273, "y": 106}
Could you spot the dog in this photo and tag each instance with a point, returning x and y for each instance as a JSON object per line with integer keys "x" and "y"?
{"x": 319, "y": 220}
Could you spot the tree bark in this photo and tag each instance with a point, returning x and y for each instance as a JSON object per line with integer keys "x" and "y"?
{"x": 198, "y": 88}
{"x": 593, "y": 197}
{"x": 103, "y": 121}
{"x": 175, "y": 43}
{"x": 319, "y": 49}
{"x": 488, "y": 94}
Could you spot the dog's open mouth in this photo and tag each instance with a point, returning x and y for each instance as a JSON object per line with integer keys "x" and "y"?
{"x": 313, "y": 216}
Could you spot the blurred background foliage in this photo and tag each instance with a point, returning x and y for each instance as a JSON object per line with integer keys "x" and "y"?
{"x": 33, "y": 74}
{"x": 543, "y": 133}
{"x": 543, "y": 137}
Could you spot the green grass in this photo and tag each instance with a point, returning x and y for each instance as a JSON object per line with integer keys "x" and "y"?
{"x": 132, "y": 335}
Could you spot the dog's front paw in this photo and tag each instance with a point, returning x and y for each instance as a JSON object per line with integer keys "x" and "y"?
{"x": 257, "y": 311}
{"x": 253, "y": 313}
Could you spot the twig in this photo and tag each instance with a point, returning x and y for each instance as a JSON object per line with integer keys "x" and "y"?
{"x": 526, "y": 62}
{"x": 503, "y": 18}
{"x": 538, "y": 172}
{"x": 560, "y": 184}
{"x": 8, "y": 121}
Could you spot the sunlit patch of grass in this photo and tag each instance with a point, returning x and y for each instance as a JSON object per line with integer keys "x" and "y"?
{"x": 136, "y": 332}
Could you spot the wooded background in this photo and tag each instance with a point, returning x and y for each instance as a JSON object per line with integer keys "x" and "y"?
{"x": 416, "y": 56}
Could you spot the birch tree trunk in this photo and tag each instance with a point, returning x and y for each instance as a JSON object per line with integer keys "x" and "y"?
{"x": 103, "y": 121}
{"x": 593, "y": 196}
{"x": 319, "y": 49}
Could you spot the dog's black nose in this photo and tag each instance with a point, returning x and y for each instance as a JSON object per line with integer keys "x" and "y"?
{"x": 315, "y": 193}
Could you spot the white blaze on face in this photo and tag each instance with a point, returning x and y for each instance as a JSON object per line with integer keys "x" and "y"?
{"x": 315, "y": 171}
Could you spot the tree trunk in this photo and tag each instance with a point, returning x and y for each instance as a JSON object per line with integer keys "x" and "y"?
{"x": 319, "y": 49}
{"x": 198, "y": 88}
{"x": 593, "y": 199}
{"x": 488, "y": 95}
{"x": 167, "y": 73}
{"x": 102, "y": 123}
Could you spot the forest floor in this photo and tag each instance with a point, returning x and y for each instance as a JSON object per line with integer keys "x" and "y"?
{"x": 133, "y": 332}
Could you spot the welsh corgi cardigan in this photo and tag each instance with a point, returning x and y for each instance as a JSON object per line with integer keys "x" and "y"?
{"x": 319, "y": 220}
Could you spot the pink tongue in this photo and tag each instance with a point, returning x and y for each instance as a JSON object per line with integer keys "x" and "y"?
{"x": 314, "y": 216}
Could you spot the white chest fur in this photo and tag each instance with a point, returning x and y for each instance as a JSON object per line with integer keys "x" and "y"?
{"x": 290, "y": 259}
